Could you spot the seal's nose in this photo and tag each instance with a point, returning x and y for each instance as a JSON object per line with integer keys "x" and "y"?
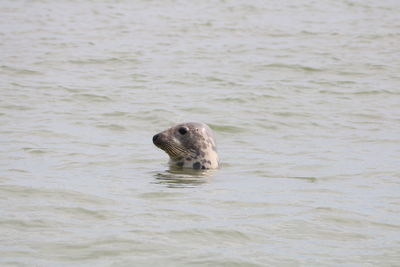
{"x": 155, "y": 138}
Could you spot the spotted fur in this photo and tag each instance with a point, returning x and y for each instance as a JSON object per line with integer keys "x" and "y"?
{"x": 189, "y": 145}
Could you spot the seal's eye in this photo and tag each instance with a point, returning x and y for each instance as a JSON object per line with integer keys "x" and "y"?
{"x": 183, "y": 130}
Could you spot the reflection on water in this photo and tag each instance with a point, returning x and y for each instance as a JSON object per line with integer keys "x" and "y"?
{"x": 176, "y": 177}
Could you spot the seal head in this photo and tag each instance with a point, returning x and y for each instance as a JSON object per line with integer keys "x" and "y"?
{"x": 189, "y": 145}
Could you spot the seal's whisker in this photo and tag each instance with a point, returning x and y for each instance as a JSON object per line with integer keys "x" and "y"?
{"x": 174, "y": 151}
{"x": 179, "y": 149}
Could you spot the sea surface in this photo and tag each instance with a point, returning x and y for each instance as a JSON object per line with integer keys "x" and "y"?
{"x": 303, "y": 98}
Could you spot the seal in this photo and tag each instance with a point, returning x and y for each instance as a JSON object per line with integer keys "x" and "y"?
{"x": 189, "y": 145}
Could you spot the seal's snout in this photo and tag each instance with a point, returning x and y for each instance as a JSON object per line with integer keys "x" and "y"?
{"x": 155, "y": 137}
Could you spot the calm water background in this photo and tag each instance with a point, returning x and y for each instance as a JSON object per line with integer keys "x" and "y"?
{"x": 303, "y": 97}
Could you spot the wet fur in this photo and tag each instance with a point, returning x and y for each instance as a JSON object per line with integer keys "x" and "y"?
{"x": 195, "y": 149}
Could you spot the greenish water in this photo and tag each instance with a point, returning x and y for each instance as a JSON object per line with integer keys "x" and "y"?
{"x": 303, "y": 98}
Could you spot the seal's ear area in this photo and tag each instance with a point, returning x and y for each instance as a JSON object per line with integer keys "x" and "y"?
{"x": 183, "y": 130}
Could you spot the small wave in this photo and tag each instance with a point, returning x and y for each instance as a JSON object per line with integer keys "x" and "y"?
{"x": 92, "y": 97}
{"x": 230, "y": 99}
{"x": 247, "y": 98}
{"x": 24, "y": 224}
{"x": 84, "y": 250}
{"x": 20, "y": 71}
{"x": 18, "y": 170}
{"x": 376, "y": 92}
{"x": 292, "y": 67}
{"x": 82, "y": 212}
{"x": 16, "y": 107}
{"x": 91, "y": 61}
{"x": 304, "y": 178}
{"x": 359, "y": 93}
{"x": 160, "y": 195}
{"x": 369, "y": 116}
{"x": 34, "y": 150}
{"x": 116, "y": 114}
{"x": 289, "y": 114}
{"x": 213, "y": 234}
{"x": 113, "y": 127}
{"x": 351, "y": 73}
{"x": 31, "y": 192}
{"x": 178, "y": 83}
{"x": 214, "y": 79}
{"x": 227, "y": 128}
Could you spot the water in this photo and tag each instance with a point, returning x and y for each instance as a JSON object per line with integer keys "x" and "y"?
{"x": 303, "y": 98}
